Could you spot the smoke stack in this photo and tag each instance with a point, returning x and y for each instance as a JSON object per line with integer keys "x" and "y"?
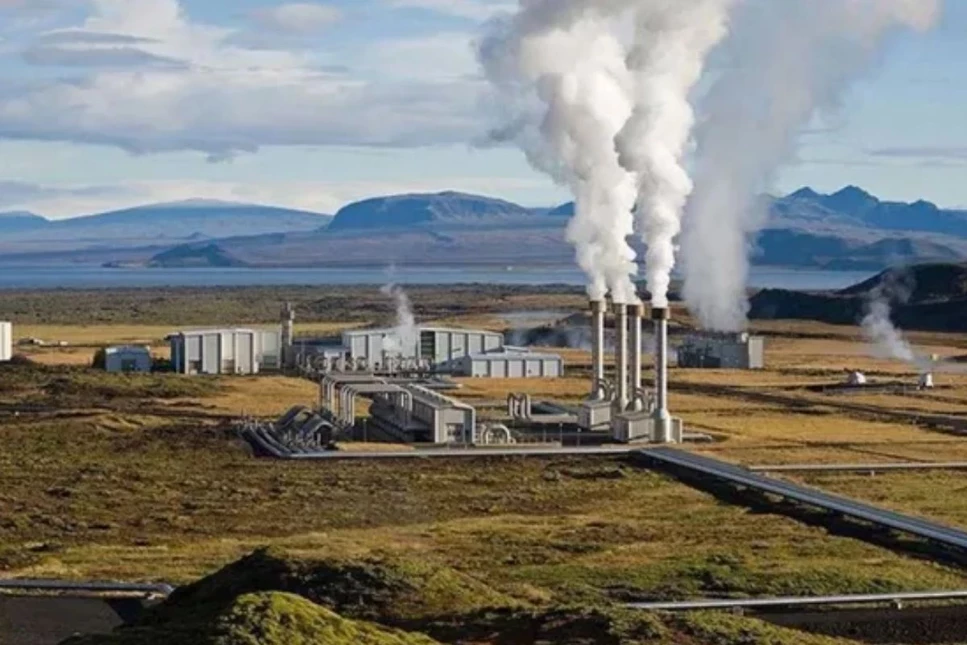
{"x": 634, "y": 347}
{"x": 662, "y": 419}
{"x": 597, "y": 348}
{"x": 288, "y": 332}
{"x": 621, "y": 354}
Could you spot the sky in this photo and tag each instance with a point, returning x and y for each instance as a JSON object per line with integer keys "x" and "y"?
{"x": 112, "y": 103}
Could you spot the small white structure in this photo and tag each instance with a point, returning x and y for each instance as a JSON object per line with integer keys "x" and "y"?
{"x": 6, "y": 341}
{"x": 510, "y": 364}
{"x": 216, "y": 351}
{"x": 127, "y": 358}
{"x": 926, "y": 381}
{"x": 856, "y": 378}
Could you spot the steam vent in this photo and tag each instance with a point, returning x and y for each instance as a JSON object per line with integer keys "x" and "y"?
{"x": 622, "y": 405}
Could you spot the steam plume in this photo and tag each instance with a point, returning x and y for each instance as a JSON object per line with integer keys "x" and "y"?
{"x": 789, "y": 61}
{"x": 672, "y": 41}
{"x": 406, "y": 332}
{"x": 559, "y": 69}
{"x": 887, "y": 340}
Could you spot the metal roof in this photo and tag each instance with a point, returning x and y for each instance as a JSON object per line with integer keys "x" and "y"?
{"x": 206, "y": 332}
{"x": 388, "y": 331}
{"x": 134, "y": 349}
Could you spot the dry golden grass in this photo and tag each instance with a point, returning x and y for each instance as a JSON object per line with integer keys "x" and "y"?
{"x": 264, "y": 396}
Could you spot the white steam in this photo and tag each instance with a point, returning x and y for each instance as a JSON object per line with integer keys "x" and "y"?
{"x": 559, "y": 70}
{"x": 789, "y": 61}
{"x": 672, "y": 42}
{"x": 405, "y": 334}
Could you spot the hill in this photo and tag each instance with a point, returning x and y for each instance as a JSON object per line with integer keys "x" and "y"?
{"x": 928, "y": 297}
{"x": 195, "y": 255}
{"x": 17, "y": 221}
{"x": 422, "y": 210}
{"x": 154, "y": 223}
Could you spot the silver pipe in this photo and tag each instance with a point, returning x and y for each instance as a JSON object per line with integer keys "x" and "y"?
{"x": 621, "y": 353}
{"x": 662, "y": 419}
{"x": 597, "y": 347}
{"x": 634, "y": 349}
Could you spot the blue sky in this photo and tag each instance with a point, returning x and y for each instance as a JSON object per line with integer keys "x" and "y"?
{"x": 110, "y": 103}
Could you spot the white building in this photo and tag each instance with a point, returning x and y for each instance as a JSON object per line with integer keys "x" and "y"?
{"x": 6, "y": 341}
{"x": 270, "y": 349}
{"x": 510, "y": 364}
{"x": 127, "y": 358}
{"x": 434, "y": 345}
{"x": 722, "y": 351}
{"x": 216, "y": 351}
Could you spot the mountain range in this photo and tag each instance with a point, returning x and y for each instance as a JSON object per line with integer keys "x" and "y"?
{"x": 848, "y": 229}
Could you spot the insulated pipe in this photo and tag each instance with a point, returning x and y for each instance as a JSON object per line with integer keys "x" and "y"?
{"x": 634, "y": 349}
{"x": 662, "y": 419}
{"x": 621, "y": 353}
{"x": 597, "y": 348}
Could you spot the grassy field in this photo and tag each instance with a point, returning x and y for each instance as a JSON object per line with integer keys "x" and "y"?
{"x": 140, "y": 477}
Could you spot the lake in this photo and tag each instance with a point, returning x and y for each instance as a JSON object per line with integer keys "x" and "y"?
{"x": 87, "y": 277}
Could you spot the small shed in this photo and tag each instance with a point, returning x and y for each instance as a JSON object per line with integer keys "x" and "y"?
{"x": 127, "y": 358}
{"x": 216, "y": 351}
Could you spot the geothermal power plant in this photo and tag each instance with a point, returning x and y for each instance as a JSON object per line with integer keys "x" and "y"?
{"x": 623, "y": 406}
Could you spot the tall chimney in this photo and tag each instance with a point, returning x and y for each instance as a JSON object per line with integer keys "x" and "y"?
{"x": 661, "y": 416}
{"x": 288, "y": 332}
{"x": 634, "y": 348}
{"x": 597, "y": 347}
{"x": 621, "y": 354}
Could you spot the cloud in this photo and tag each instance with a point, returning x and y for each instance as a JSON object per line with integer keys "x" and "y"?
{"x": 96, "y": 57}
{"x": 223, "y": 99}
{"x": 298, "y": 17}
{"x": 79, "y": 36}
{"x": 936, "y": 153}
{"x": 471, "y": 9}
{"x": 19, "y": 193}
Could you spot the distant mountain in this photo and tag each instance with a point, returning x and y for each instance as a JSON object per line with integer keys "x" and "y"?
{"x": 935, "y": 299}
{"x": 195, "y": 255}
{"x": 16, "y": 221}
{"x": 425, "y": 210}
{"x": 153, "y": 223}
{"x": 848, "y": 229}
{"x": 853, "y": 206}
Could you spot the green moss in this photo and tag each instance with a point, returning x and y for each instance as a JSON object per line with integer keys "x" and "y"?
{"x": 386, "y": 590}
{"x": 714, "y": 628}
{"x": 261, "y": 619}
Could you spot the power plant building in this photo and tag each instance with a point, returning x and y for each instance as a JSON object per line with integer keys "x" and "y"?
{"x": 128, "y": 358}
{"x": 510, "y": 364}
{"x": 216, "y": 351}
{"x": 722, "y": 351}
{"x": 6, "y": 341}
{"x": 433, "y": 345}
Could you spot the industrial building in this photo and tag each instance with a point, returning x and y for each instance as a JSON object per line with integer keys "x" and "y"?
{"x": 6, "y": 341}
{"x": 128, "y": 358}
{"x": 215, "y": 351}
{"x": 509, "y": 363}
{"x": 429, "y": 345}
{"x": 722, "y": 351}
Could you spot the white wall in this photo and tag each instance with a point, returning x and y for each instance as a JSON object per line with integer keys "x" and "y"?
{"x": 6, "y": 341}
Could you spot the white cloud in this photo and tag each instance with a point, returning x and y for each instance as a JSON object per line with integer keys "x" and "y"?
{"x": 219, "y": 98}
{"x": 298, "y": 17}
{"x": 472, "y": 9}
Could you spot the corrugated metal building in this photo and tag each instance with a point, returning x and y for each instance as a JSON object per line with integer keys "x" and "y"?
{"x": 511, "y": 364}
{"x": 270, "y": 349}
{"x": 215, "y": 351}
{"x": 127, "y": 358}
{"x": 435, "y": 345}
{"x": 6, "y": 341}
{"x": 722, "y": 351}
